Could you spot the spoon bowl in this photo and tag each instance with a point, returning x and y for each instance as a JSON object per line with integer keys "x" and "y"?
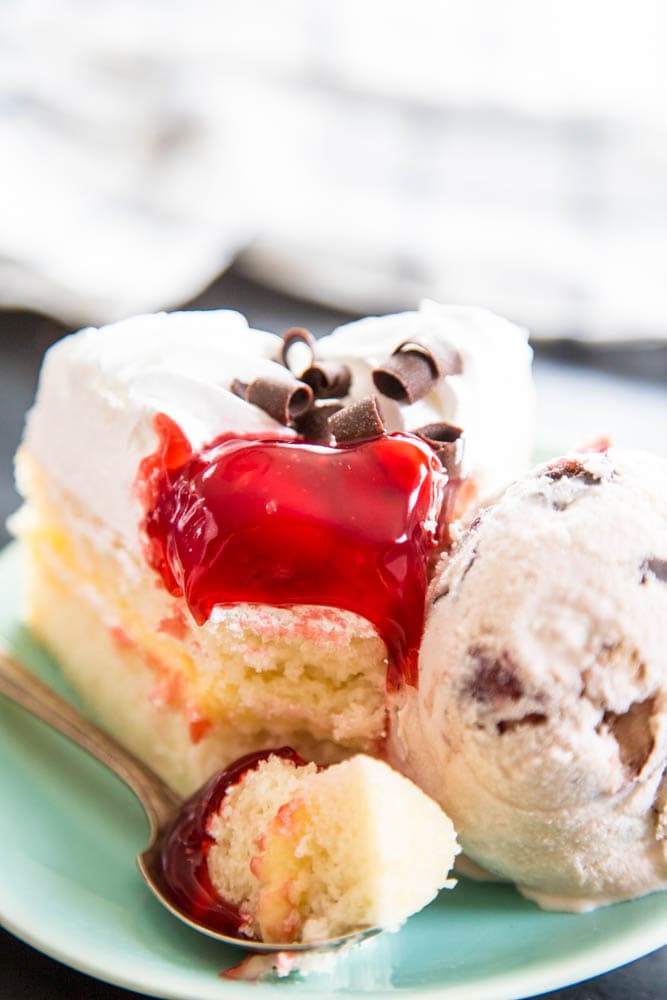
{"x": 150, "y": 866}
{"x": 160, "y": 803}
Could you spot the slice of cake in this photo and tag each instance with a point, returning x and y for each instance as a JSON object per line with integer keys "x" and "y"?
{"x": 284, "y": 852}
{"x": 227, "y": 553}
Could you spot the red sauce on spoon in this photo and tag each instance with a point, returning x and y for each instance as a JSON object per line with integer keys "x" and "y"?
{"x": 184, "y": 866}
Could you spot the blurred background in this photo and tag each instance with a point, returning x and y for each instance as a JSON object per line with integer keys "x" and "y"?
{"x": 306, "y": 161}
{"x": 360, "y": 154}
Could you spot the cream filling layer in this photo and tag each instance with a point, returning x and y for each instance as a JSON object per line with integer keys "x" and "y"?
{"x": 250, "y": 666}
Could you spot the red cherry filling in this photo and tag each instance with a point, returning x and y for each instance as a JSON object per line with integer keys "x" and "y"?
{"x": 283, "y": 522}
{"x": 185, "y": 876}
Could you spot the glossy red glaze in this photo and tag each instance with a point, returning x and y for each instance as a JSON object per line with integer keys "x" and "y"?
{"x": 285, "y": 523}
{"x": 185, "y": 877}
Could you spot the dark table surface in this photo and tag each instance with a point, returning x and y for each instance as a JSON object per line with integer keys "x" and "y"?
{"x": 637, "y": 378}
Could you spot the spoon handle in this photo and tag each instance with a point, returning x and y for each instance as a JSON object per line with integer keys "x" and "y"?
{"x": 26, "y": 690}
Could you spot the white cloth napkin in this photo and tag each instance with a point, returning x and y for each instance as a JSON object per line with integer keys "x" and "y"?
{"x": 365, "y": 153}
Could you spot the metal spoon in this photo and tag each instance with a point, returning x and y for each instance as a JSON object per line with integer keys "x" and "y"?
{"x": 159, "y": 802}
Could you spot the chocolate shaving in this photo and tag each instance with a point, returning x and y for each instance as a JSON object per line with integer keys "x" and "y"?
{"x": 656, "y": 567}
{"x": 239, "y": 388}
{"x": 570, "y": 468}
{"x": 632, "y": 732}
{"x": 328, "y": 381}
{"x": 444, "y": 359}
{"x": 447, "y": 442}
{"x": 405, "y": 377}
{"x": 283, "y": 398}
{"x": 313, "y": 426}
{"x": 297, "y": 335}
{"x": 360, "y": 421}
{"x": 451, "y": 457}
{"x": 413, "y": 369}
{"x": 532, "y": 719}
{"x": 496, "y": 678}
{"x": 438, "y": 434}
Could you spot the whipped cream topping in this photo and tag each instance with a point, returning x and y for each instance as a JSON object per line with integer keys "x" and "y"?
{"x": 492, "y": 399}
{"x": 540, "y": 721}
{"x": 100, "y": 390}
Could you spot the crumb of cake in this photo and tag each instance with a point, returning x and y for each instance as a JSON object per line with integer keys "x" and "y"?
{"x": 288, "y": 852}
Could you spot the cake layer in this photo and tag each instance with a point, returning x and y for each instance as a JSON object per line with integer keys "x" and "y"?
{"x": 187, "y": 698}
{"x": 308, "y": 855}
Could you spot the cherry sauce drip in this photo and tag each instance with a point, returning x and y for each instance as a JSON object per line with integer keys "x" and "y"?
{"x": 184, "y": 869}
{"x": 283, "y": 522}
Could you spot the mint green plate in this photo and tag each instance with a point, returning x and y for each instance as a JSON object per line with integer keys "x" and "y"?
{"x": 68, "y": 885}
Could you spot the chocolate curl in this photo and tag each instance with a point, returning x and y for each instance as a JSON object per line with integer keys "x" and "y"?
{"x": 298, "y": 335}
{"x": 412, "y": 370}
{"x": 444, "y": 359}
{"x": 239, "y": 388}
{"x": 360, "y": 421}
{"x": 313, "y": 426}
{"x": 447, "y": 442}
{"x": 283, "y": 398}
{"x": 328, "y": 381}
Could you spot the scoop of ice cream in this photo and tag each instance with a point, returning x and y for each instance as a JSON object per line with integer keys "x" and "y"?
{"x": 540, "y": 721}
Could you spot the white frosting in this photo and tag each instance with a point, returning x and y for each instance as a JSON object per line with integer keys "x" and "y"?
{"x": 492, "y": 400}
{"x": 100, "y": 390}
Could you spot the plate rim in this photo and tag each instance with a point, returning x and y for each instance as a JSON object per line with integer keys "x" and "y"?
{"x": 502, "y": 986}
